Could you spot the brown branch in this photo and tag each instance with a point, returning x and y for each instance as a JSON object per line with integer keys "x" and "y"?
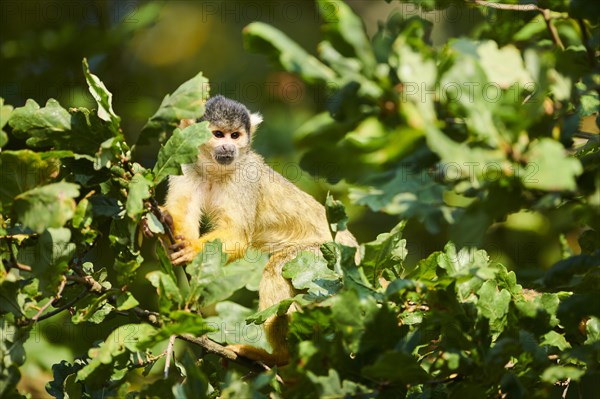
{"x": 88, "y": 281}
{"x": 546, "y": 14}
{"x": 169, "y": 354}
{"x": 553, "y": 32}
{"x": 510, "y": 7}
{"x": 212, "y": 347}
{"x": 13, "y": 259}
{"x": 155, "y": 209}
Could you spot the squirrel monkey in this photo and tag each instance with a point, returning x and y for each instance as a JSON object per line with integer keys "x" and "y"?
{"x": 249, "y": 205}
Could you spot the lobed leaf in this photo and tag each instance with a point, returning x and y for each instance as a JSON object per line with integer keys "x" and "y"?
{"x": 181, "y": 148}
{"x": 103, "y": 98}
{"x": 264, "y": 38}
{"x": 49, "y": 206}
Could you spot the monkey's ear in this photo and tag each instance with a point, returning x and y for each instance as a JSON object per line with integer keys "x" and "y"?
{"x": 255, "y": 120}
{"x": 185, "y": 123}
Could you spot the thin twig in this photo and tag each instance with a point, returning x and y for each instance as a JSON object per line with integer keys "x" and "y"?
{"x": 63, "y": 283}
{"x": 13, "y": 259}
{"x": 169, "y": 355}
{"x": 568, "y": 384}
{"x": 64, "y": 307}
{"x": 553, "y": 32}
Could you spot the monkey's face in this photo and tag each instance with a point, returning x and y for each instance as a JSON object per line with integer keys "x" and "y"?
{"x": 232, "y": 126}
{"x": 227, "y": 144}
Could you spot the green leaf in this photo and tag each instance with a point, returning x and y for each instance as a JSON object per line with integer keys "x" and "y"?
{"x": 93, "y": 309}
{"x": 309, "y": 272}
{"x": 552, "y": 338}
{"x": 154, "y": 224}
{"x": 125, "y": 301}
{"x": 103, "y": 98}
{"x": 21, "y": 171}
{"x": 230, "y": 326}
{"x": 462, "y": 160}
{"x": 549, "y": 168}
{"x": 336, "y": 214}
{"x": 341, "y": 23}
{"x": 264, "y": 38}
{"x": 186, "y": 102}
{"x": 5, "y": 111}
{"x": 554, "y": 374}
{"x": 592, "y": 329}
{"x": 116, "y": 348}
{"x": 169, "y": 295}
{"x": 83, "y": 214}
{"x": 407, "y": 193}
{"x": 47, "y": 206}
{"x": 213, "y": 280}
{"x": 278, "y": 309}
{"x": 351, "y": 314}
{"x": 388, "y": 251}
{"x": 40, "y": 124}
{"x": 63, "y": 374}
{"x": 466, "y": 262}
{"x": 330, "y": 386}
{"x": 182, "y": 322}
{"x": 504, "y": 67}
{"x": 78, "y": 130}
{"x": 418, "y": 76}
{"x": 195, "y": 385}
{"x": 493, "y": 305}
{"x": 181, "y": 148}
{"x": 139, "y": 190}
{"x": 386, "y": 369}
{"x": 49, "y": 258}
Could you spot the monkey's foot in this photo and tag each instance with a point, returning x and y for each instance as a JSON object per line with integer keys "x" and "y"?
{"x": 259, "y": 355}
{"x": 182, "y": 256}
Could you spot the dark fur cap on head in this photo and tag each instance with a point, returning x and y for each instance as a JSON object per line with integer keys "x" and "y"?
{"x": 224, "y": 112}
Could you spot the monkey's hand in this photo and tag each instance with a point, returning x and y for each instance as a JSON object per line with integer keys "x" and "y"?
{"x": 165, "y": 218}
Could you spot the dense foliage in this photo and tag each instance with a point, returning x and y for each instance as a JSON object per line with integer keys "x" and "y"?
{"x": 456, "y": 138}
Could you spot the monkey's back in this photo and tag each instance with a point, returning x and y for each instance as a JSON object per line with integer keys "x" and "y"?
{"x": 286, "y": 217}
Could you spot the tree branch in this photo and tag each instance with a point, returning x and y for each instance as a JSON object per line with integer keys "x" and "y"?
{"x": 546, "y": 14}
{"x": 169, "y": 354}
{"x": 212, "y": 347}
{"x": 63, "y": 283}
{"x": 96, "y": 288}
{"x": 510, "y": 7}
{"x": 62, "y": 308}
{"x": 153, "y": 318}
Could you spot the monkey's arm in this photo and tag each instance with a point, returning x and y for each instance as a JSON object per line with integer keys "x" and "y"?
{"x": 181, "y": 204}
{"x": 234, "y": 238}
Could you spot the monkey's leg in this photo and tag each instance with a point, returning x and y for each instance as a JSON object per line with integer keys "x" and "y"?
{"x": 273, "y": 289}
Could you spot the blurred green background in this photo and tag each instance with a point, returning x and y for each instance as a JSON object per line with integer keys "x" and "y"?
{"x": 143, "y": 50}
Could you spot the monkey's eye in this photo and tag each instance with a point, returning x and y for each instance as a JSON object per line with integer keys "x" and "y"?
{"x": 235, "y": 135}
{"x": 218, "y": 134}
